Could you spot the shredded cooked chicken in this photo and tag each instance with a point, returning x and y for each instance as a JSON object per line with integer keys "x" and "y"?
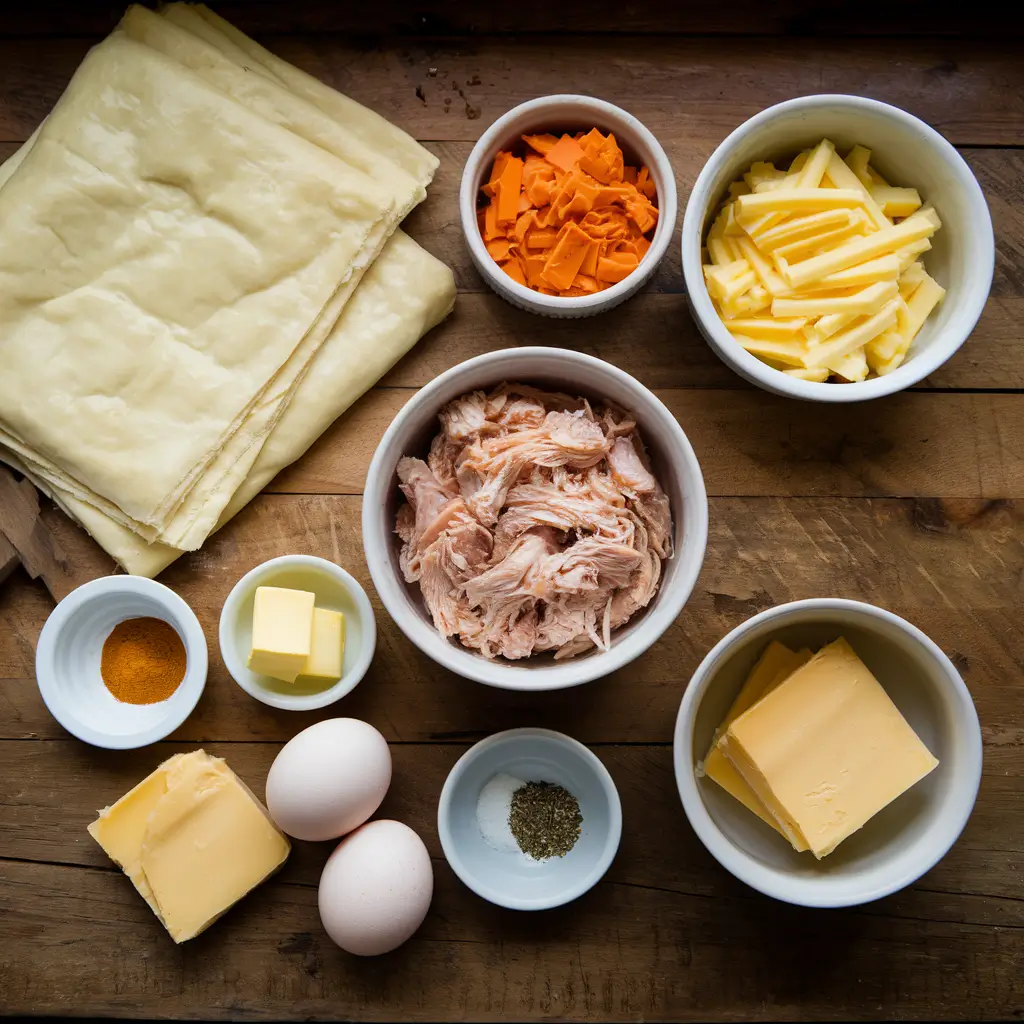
{"x": 535, "y": 524}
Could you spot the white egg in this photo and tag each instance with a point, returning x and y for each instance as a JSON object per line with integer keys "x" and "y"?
{"x": 328, "y": 779}
{"x": 375, "y": 888}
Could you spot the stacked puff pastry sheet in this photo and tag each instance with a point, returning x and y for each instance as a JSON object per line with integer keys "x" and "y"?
{"x": 199, "y": 271}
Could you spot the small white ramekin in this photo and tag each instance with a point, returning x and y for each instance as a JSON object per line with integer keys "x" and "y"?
{"x": 570, "y": 113}
{"x": 68, "y": 662}
{"x": 675, "y": 465}
{"x": 510, "y": 879}
{"x": 905, "y": 839}
{"x": 906, "y": 151}
{"x": 334, "y": 588}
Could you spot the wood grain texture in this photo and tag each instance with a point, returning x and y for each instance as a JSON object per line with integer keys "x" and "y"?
{"x": 752, "y": 443}
{"x": 691, "y": 92}
{"x": 910, "y": 503}
{"x": 536, "y": 17}
{"x": 655, "y": 939}
{"x": 951, "y": 567}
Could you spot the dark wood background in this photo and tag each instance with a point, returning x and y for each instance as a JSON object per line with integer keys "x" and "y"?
{"x": 909, "y": 502}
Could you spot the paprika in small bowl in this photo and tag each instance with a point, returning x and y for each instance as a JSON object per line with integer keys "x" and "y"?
{"x": 121, "y": 662}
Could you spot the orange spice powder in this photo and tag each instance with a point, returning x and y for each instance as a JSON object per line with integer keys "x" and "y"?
{"x": 143, "y": 661}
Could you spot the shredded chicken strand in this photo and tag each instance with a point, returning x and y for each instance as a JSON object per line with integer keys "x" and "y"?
{"x": 535, "y": 524}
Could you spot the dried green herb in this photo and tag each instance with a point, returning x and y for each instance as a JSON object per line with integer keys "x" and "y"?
{"x": 545, "y": 820}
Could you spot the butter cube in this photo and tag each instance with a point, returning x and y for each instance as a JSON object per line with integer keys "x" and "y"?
{"x": 826, "y": 750}
{"x": 282, "y": 631}
{"x": 327, "y": 649}
{"x": 193, "y": 840}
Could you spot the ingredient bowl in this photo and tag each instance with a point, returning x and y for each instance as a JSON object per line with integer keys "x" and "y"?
{"x": 510, "y": 878}
{"x": 568, "y": 113}
{"x": 906, "y": 151}
{"x": 673, "y": 463}
{"x": 906, "y": 838}
{"x": 70, "y": 649}
{"x": 333, "y": 588}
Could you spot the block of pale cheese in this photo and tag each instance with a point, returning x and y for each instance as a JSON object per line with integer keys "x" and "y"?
{"x": 826, "y": 750}
{"x": 282, "y": 631}
{"x": 327, "y": 647}
{"x": 193, "y": 839}
{"x": 776, "y": 663}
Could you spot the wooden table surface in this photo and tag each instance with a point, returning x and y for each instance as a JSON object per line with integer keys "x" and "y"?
{"x": 909, "y": 502}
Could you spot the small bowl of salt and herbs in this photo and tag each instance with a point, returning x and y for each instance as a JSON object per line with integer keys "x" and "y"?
{"x": 529, "y": 819}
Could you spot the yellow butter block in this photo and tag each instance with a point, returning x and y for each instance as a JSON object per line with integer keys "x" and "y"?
{"x": 193, "y": 840}
{"x": 827, "y": 749}
{"x": 327, "y": 647}
{"x": 282, "y": 629}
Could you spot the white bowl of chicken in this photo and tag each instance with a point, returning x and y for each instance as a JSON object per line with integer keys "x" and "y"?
{"x": 534, "y": 519}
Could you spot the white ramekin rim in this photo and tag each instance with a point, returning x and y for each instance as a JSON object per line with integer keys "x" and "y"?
{"x": 179, "y": 614}
{"x": 747, "y": 869}
{"x": 574, "y": 671}
{"x": 749, "y": 366}
{"x": 583, "y": 883}
{"x": 554, "y": 305}
{"x": 235, "y": 663}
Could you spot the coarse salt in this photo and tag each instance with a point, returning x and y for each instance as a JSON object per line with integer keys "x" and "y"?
{"x": 492, "y": 812}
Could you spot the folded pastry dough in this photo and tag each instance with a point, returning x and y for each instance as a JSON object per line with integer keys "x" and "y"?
{"x": 164, "y": 252}
{"x": 358, "y": 332}
{"x": 405, "y": 293}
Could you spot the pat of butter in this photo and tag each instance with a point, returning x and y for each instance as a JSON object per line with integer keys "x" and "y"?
{"x": 282, "y": 630}
{"x": 827, "y": 749}
{"x": 193, "y": 839}
{"x": 775, "y": 665}
{"x": 327, "y": 647}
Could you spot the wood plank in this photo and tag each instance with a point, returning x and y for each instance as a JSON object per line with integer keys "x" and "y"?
{"x": 690, "y": 92}
{"x": 951, "y": 567}
{"x": 646, "y": 942}
{"x": 908, "y": 445}
{"x": 46, "y": 823}
{"x": 653, "y": 336}
{"x": 532, "y": 17}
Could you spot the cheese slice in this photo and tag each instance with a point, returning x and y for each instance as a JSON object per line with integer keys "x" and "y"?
{"x": 826, "y": 750}
{"x": 193, "y": 839}
{"x": 776, "y": 664}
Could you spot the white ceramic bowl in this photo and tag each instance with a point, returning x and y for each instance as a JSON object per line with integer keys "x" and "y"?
{"x": 674, "y": 463}
{"x": 335, "y": 589}
{"x": 902, "y": 841}
{"x": 906, "y": 151}
{"x": 511, "y": 879}
{"x": 570, "y": 113}
{"x": 68, "y": 662}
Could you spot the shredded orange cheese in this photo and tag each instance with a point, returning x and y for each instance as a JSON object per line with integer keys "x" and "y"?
{"x": 568, "y": 217}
